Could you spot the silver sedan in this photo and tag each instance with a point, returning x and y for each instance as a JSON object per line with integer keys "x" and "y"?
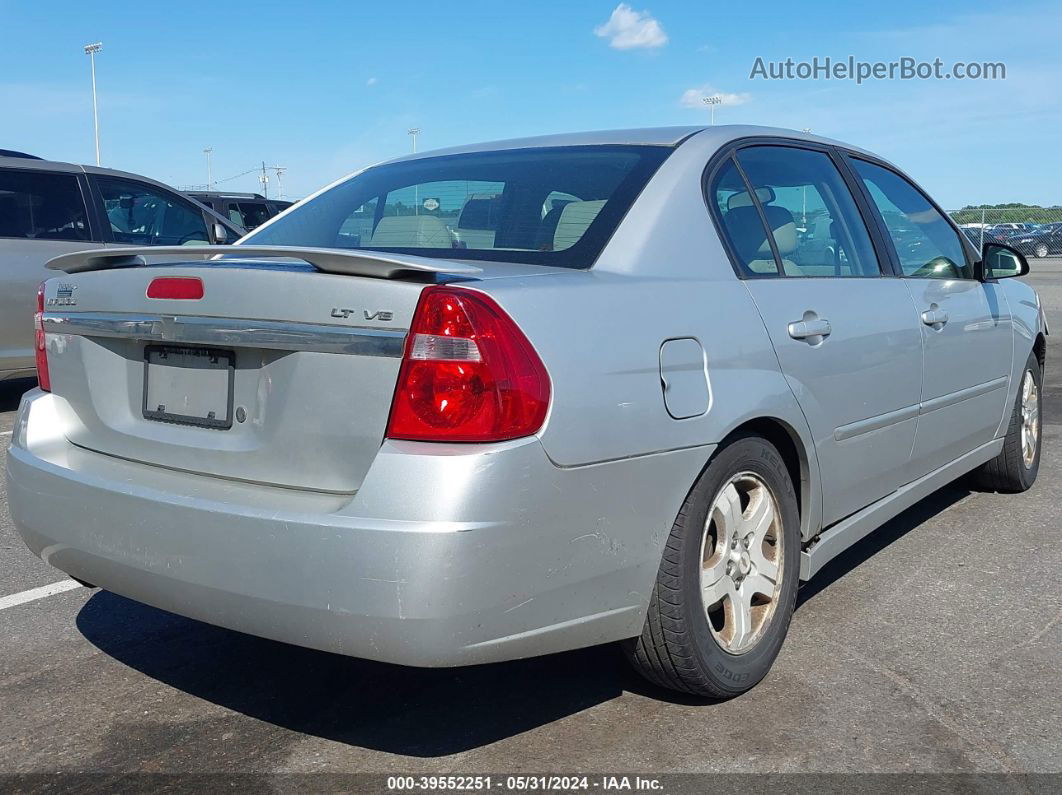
{"x": 523, "y": 397}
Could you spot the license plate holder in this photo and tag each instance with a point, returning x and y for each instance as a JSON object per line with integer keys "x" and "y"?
{"x": 187, "y": 385}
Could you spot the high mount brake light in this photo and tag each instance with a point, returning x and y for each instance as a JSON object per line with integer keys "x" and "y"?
{"x": 179, "y": 288}
{"x": 468, "y": 375}
{"x": 40, "y": 347}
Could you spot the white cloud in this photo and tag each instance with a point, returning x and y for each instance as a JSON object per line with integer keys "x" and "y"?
{"x": 628, "y": 29}
{"x": 694, "y": 97}
{"x": 371, "y": 81}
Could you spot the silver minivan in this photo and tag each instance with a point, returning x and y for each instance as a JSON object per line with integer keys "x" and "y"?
{"x": 49, "y": 208}
{"x": 528, "y": 396}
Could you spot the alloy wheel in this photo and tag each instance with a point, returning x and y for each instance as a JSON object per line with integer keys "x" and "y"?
{"x": 741, "y": 562}
{"x": 1030, "y": 419}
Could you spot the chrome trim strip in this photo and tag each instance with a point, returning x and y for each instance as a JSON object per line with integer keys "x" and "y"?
{"x": 963, "y": 394}
{"x": 860, "y": 427}
{"x": 231, "y": 332}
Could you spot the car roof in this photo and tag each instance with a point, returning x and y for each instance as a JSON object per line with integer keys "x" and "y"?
{"x": 55, "y": 166}
{"x": 217, "y": 194}
{"x": 15, "y": 153}
{"x": 74, "y": 168}
{"x": 647, "y": 136}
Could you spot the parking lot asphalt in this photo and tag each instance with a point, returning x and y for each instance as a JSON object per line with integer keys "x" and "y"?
{"x": 935, "y": 645}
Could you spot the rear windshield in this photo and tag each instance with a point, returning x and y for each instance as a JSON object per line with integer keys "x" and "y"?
{"x": 547, "y": 206}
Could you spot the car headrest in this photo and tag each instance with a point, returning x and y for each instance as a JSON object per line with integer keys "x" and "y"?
{"x": 746, "y": 231}
{"x": 479, "y": 212}
{"x": 743, "y": 199}
{"x": 781, "y": 222}
{"x": 411, "y": 231}
{"x": 574, "y": 220}
{"x": 53, "y": 215}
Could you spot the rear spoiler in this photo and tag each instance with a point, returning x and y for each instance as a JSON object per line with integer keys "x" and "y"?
{"x": 350, "y": 262}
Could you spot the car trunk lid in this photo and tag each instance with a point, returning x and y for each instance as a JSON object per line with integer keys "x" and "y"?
{"x": 278, "y": 374}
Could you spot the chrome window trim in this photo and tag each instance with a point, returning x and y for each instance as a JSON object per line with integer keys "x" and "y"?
{"x": 232, "y": 332}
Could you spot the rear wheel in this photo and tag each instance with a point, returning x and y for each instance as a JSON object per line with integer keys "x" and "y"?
{"x": 728, "y": 580}
{"x": 1040, "y": 250}
{"x": 1017, "y": 464}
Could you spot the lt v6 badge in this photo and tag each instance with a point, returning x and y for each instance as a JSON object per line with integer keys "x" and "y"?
{"x": 379, "y": 314}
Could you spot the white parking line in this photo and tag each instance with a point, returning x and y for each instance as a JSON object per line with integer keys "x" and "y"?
{"x": 34, "y": 594}
{"x": 5, "y": 433}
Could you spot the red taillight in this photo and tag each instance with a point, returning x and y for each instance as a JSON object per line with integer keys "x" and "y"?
{"x": 469, "y": 373}
{"x": 40, "y": 347}
{"x": 179, "y": 288}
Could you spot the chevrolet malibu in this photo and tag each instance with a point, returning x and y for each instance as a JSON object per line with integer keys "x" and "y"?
{"x": 522, "y": 397}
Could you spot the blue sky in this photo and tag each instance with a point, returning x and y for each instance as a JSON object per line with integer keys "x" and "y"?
{"x": 327, "y": 87}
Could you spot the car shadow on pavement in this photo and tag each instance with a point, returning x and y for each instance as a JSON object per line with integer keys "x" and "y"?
{"x": 879, "y": 539}
{"x": 409, "y": 711}
{"x": 11, "y": 392}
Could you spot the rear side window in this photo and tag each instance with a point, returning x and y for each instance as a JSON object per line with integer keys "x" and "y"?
{"x": 41, "y": 205}
{"x": 813, "y": 220}
{"x": 249, "y": 214}
{"x": 926, "y": 244}
{"x": 146, "y": 216}
{"x": 545, "y": 206}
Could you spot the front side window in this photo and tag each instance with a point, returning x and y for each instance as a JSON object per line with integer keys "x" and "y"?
{"x": 145, "y": 216}
{"x": 546, "y": 206}
{"x": 40, "y": 205}
{"x": 927, "y": 246}
{"x": 814, "y": 221}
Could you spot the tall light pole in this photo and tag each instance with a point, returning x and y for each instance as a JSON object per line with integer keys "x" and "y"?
{"x": 210, "y": 175}
{"x": 711, "y": 102}
{"x": 264, "y": 179}
{"x": 414, "y": 132}
{"x": 91, "y": 50}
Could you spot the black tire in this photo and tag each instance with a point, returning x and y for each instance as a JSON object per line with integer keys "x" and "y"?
{"x": 677, "y": 648}
{"x": 1008, "y": 472}
{"x": 1041, "y": 248}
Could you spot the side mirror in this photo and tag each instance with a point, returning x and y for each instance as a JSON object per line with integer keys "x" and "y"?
{"x": 1000, "y": 261}
{"x": 221, "y": 234}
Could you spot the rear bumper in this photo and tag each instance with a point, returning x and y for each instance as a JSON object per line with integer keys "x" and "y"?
{"x": 448, "y": 555}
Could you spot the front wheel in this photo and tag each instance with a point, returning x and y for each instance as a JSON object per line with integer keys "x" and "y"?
{"x": 728, "y": 580}
{"x": 1041, "y": 250}
{"x": 1017, "y": 464}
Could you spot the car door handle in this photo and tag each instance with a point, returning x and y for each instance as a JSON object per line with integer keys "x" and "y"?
{"x": 935, "y": 317}
{"x": 811, "y": 330}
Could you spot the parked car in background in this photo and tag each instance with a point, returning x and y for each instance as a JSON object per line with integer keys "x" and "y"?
{"x": 998, "y": 234}
{"x": 1043, "y": 242}
{"x": 248, "y": 210}
{"x": 49, "y": 208}
{"x": 976, "y": 235}
{"x": 628, "y": 408}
